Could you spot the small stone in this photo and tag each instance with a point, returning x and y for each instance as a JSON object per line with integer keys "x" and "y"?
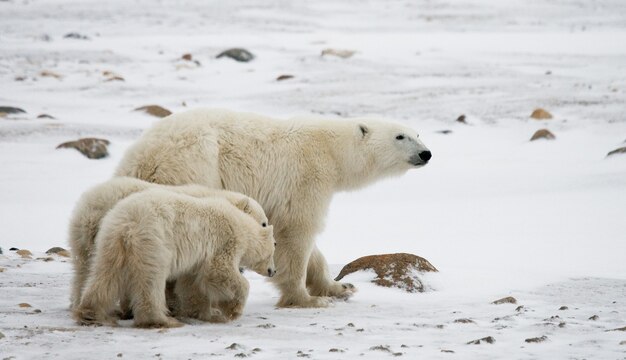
{"x": 1, "y": 336}
{"x": 284, "y": 77}
{"x": 11, "y": 110}
{"x": 623, "y": 342}
{"x": 266, "y": 326}
{"x": 563, "y": 308}
{"x": 447, "y": 351}
{"x": 392, "y": 270}
{"x": 2, "y": 269}
{"x": 464, "y": 321}
{"x": 76, "y": 36}
{"x": 24, "y": 305}
{"x": 238, "y": 54}
{"x": 594, "y": 317}
{"x": 536, "y": 339}
{"x": 241, "y": 355}
{"x": 488, "y": 339}
{"x": 621, "y": 150}
{"x": 404, "y": 346}
{"x": 46, "y": 259}
{"x": 506, "y": 300}
{"x": 20, "y": 78}
{"x": 381, "y": 348}
{"x": 461, "y": 119}
{"x": 350, "y": 325}
{"x": 13, "y": 249}
{"x": 115, "y": 78}
{"x": 520, "y": 308}
{"x": 562, "y": 324}
{"x": 52, "y": 74}
{"x": 54, "y": 250}
{"x": 45, "y": 116}
{"x": 255, "y": 350}
{"x": 342, "y": 53}
{"x": 93, "y": 148}
{"x": 234, "y": 346}
{"x": 120, "y": 355}
{"x": 154, "y": 110}
{"x": 444, "y": 132}
{"x": 543, "y": 134}
{"x": 336, "y": 350}
{"x": 37, "y": 311}
{"x": 540, "y": 114}
{"x": 187, "y": 57}
{"x": 619, "y": 329}
{"x": 397, "y": 354}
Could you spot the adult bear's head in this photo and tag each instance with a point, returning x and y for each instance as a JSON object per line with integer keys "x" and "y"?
{"x": 380, "y": 149}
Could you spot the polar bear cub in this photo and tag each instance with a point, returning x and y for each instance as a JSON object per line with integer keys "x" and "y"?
{"x": 157, "y": 235}
{"x": 97, "y": 201}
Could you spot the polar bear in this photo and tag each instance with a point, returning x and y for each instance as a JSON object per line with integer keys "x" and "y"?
{"x": 97, "y": 201}
{"x": 291, "y": 167}
{"x": 157, "y": 235}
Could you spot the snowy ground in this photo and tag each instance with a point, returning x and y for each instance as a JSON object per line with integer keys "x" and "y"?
{"x": 498, "y": 215}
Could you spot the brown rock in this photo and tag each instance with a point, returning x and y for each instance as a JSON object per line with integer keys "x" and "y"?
{"x": 488, "y": 340}
{"x": 536, "y": 339}
{"x": 45, "y": 116}
{"x": 93, "y": 148}
{"x": 24, "y": 253}
{"x": 24, "y": 305}
{"x": 461, "y": 119}
{"x": 621, "y": 150}
{"x": 64, "y": 253}
{"x": 154, "y": 110}
{"x": 542, "y": 134}
{"x": 47, "y": 73}
{"x": 187, "y": 57}
{"x": 594, "y": 317}
{"x": 284, "y": 77}
{"x": 115, "y": 78}
{"x": 2, "y": 269}
{"x": 54, "y": 250}
{"x": 541, "y": 114}
{"x": 344, "y": 54}
{"x": 506, "y": 300}
{"x": 392, "y": 270}
{"x": 11, "y": 110}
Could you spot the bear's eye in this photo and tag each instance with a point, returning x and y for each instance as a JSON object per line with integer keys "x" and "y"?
{"x": 400, "y": 137}
{"x": 264, "y": 224}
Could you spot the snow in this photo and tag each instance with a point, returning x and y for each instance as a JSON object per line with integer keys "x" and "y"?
{"x": 496, "y": 214}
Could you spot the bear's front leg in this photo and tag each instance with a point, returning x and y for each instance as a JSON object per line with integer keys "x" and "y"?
{"x": 292, "y": 257}
{"x": 319, "y": 282}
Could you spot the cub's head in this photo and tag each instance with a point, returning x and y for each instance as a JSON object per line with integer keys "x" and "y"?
{"x": 260, "y": 254}
{"x": 381, "y": 149}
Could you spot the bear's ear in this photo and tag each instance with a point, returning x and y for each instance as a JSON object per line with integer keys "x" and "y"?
{"x": 243, "y": 205}
{"x": 363, "y": 130}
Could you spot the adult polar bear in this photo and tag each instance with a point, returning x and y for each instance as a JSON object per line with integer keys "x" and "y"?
{"x": 291, "y": 167}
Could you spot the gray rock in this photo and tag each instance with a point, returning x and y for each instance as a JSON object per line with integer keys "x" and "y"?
{"x": 92, "y": 148}
{"x": 238, "y": 54}
{"x": 11, "y": 110}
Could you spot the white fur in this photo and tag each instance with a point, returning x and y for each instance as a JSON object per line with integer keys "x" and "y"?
{"x": 157, "y": 235}
{"x": 292, "y": 168}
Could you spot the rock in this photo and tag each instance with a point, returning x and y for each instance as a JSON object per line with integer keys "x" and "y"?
{"x": 336, "y": 350}
{"x": 54, "y": 250}
{"x": 2, "y": 269}
{"x": 536, "y": 339}
{"x": 24, "y": 253}
{"x": 520, "y": 308}
{"x": 13, "y": 249}
{"x": 266, "y": 326}
{"x": 114, "y": 78}
{"x": 445, "y": 132}
{"x": 284, "y": 77}
{"x": 488, "y": 340}
{"x": 619, "y": 329}
{"x": 93, "y": 148}
{"x": 344, "y": 54}
{"x": 154, "y": 110}
{"x": 241, "y": 355}
{"x": 1, "y": 336}
{"x": 461, "y": 119}
{"x": 563, "y": 308}
{"x": 48, "y": 73}
{"x": 464, "y": 321}
{"x": 381, "y": 348}
{"x": 621, "y": 150}
{"x": 540, "y": 114}
{"x": 594, "y": 317}
{"x": 447, "y": 351}
{"x": 11, "y": 110}
{"x": 392, "y": 270}
{"x": 238, "y": 54}
{"x": 542, "y": 134}
{"x": 623, "y": 342}
{"x": 506, "y": 300}
{"x": 75, "y": 35}
{"x": 187, "y": 57}
{"x": 1, "y": 251}
{"x": 24, "y": 305}
{"x": 235, "y": 346}
{"x": 45, "y": 116}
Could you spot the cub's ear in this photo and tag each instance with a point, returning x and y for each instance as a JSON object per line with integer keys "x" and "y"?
{"x": 243, "y": 205}
{"x": 363, "y": 130}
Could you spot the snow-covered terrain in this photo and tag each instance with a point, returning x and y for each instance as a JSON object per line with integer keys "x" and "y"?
{"x": 498, "y": 215}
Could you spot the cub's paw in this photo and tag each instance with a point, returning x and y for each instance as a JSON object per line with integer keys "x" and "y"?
{"x": 168, "y": 322}
{"x": 305, "y": 302}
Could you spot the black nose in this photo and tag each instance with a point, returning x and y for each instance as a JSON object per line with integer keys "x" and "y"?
{"x": 271, "y": 272}
{"x": 425, "y": 155}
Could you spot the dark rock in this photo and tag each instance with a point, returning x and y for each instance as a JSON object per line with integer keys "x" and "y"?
{"x": 75, "y": 35}
{"x": 619, "y": 329}
{"x": 488, "y": 340}
{"x": 381, "y": 348}
{"x": 1, "y": 251}
{"x": 154, "y": 110}
{"x": 536, "y": 339}
{"x": 11, "y": 110}
{"x": 392, "y": 270}
{"x": 520, "y": 308}
{"x": 187, "y": 57}
{"x": 461, "y": 119}
{"x": 594, "y": 317}
{"x": 238, "y": 54}
{"x": 563, "y": 308}
{"x": 540, "y": 114}
{"x": 1, "y": 336}
{"x": 54, "y": 250}
{"x": 445, "y": 132}
{"x": 241, "y": 355}
{"x": 543, "y": 134}
{"x": 336, "y": 350}
{"x": 464, "y": 321}
{"x": 621, "y": 150}
{"x": 234, "y": 346}
{"x": 447, "y": 351}
{"x": 13, "y": 249}
{"x": 266, "y": 326}
{"x": 623, "y": 342}
{"x": 506, "y": 300}
{"x": 92, "y": 148}
{"x": 45, "y": 116}
{"x": 284, "y": 77}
